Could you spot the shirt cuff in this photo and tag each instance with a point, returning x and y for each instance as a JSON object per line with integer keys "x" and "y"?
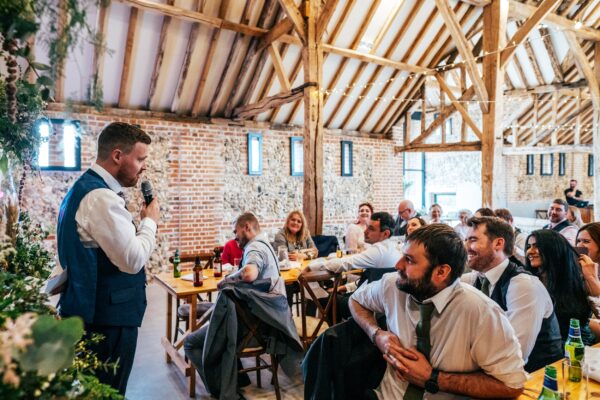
{"x": 148, "y": 223}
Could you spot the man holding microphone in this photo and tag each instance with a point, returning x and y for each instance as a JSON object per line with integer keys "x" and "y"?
{"x": 104, "y": 253}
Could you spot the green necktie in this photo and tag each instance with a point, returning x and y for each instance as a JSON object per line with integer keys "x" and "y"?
{"x": 485, "y": 285}
{"x": 423, "y": 345}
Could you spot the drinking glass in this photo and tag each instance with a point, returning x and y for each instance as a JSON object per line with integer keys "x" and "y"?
{"x": 236, "y": 264}
{"x": 282, "y": 253}
{"x": 569, "y": 387}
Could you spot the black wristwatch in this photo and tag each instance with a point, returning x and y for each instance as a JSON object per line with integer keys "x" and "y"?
{"x": 431, "y": 384}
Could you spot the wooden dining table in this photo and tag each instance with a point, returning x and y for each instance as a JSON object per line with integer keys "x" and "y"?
{"x": 180, "y": 289}
{"x": 589, "y": 389}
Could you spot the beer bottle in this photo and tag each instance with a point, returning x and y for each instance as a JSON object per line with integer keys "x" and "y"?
{"x": 197, "y": 272}
{"x": 550, "y": 389}
{"x": 176, "y": 262}
{"x": 338, "y": 251}
{"x": 574, "y": 349}
{"x": 218, "y": 267}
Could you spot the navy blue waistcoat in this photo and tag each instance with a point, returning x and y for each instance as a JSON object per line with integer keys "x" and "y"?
{"x": 96, "y": 290}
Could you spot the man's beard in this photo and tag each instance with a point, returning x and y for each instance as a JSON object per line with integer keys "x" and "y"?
{"x": 420, "y": 289}
{"x": 482, "y": 262}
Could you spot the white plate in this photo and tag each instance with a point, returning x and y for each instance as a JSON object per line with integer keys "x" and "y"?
{"x": 290, "y": 265}
{"x": 190, "y": 277}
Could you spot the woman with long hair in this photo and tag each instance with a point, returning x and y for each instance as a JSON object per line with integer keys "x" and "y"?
{"x": 435, "y": 214}
{"x": 574, "y": 216}
{"x": 551, "y": 258}
{"x": 588, "y": 237}
{"x": 295, "y": 236}
{"x": 415, "y": 223}
{"x": 354, "y": 237}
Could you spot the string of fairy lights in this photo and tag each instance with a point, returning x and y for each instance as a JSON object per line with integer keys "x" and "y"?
{"x": 517, "y": 98}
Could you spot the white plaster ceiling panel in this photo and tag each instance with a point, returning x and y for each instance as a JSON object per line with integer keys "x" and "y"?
{"x": 410, "y": 36}
{"x": 366, "y": 103}
{"x": 116, "y": 38}
{"x": 398, "y": 23}
{"x": 541, "y": 55}
{"x": 561, "y": 47}
{"x": 351, "y": 27}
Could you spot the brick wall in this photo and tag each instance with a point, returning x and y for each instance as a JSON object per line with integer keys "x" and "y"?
{"x": 199, "y": 172}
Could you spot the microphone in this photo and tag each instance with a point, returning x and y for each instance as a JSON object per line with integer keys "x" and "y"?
{"x": 147, "y": 192}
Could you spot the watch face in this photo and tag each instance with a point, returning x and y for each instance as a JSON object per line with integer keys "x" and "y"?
{"x": 431, "y": 386}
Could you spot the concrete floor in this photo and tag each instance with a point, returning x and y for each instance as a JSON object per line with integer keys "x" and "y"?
{"x": 152, "y": 378}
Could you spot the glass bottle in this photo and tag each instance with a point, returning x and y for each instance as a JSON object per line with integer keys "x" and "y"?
{"x": 574, "y": 349}
{"x": 218, "y": 267}
{"x": 176, "y": 262}
{"x": 550, "y": 389}
{"x": 197, "y": 272}
{"x": 338, "y": 251}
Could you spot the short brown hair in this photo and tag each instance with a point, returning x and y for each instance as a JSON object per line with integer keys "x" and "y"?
{"x": 562, "y": 202}
{"x": 248, "y": 218}
{"x": 120, "y": 135}
{"x": 504, "y": 214}
{"x": 496, "y": 228}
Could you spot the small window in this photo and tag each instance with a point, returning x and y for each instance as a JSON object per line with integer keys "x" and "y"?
{"x": 297, "y": 155}
{"x": 590, "y": 165}
{"x": 530, "y": 164}
{"x": 254, "y": 154}
{"x": 546, "y": 164}
{"x": 562, "y": 164}
{"x": 60, "y": 145}
{"x": 346, "y": 158}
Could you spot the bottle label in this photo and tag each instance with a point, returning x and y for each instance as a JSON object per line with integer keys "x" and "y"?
{"x": 550, "y": 383}
{"x": 574, "y": 332}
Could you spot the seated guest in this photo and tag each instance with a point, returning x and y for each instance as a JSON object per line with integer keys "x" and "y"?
{"x": 522, "y": 296}
{"x": 588, "y": 237}
{"x": 574, "y": 196}
{"x": 518, "y": 254}
{"x": 379, "y": 258}
{"x": 295, "y": 236}
{"x": 435, "y": 214}
{"x": 406, "y": 211}
{"x": 355, "y": 232}
{"x": 454, "y": 353}
{"x": 554, "y": 261}
{"x": 414, "y": 224}
{"x": 557, "y": 215}
{"x": 462, "y": 228}
{"x": 574, "y": 216}
{"x": 231, "y": 251}
{"x": 259, "y": 264}
{"x": 484, "y": 212}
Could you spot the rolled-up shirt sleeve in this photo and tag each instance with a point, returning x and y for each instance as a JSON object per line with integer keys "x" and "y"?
{"x": 103, "y": 221}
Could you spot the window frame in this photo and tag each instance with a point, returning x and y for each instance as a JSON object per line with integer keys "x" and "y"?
{"x": 54, "y": 122}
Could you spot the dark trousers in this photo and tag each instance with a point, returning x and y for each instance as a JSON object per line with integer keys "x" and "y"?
{"x": 118, "y": 345}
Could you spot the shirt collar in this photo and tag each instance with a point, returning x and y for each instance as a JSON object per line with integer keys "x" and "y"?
{"x": 110, "y": 180}
{"x": 559, "y": 222}
{"x": 494, "y": 274}
{"x": 441, "y": 299}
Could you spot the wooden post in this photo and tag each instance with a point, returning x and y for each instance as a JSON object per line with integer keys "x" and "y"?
{"x": 312, "y": 59}
{"x": 494, "y": 33}
{"x": 596, "y": 133}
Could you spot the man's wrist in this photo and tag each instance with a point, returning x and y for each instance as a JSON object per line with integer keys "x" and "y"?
{"x": 374, "y": 334}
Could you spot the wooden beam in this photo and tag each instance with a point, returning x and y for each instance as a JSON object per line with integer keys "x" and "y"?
{"x": 277, "y": 63}
{"x": 492, "y": 172}
{"x": 431, "y": 148}
{"x": 569, "y": 148}
{"x": 99, "y": 51}
{"x": 162, "y": 44}
{"x": 282, "y": 28}
{"x": 584, "y": 68}
{"x": 463, "y": 112}
{"x": 478, "y": 3}
{"x": 326, "y": 14}
{"x": 550, "y": 88}
{"x": 534, "y": 63}
{"x": 292, "y": 12}
{"x": 577, "y": 132}
{"x": 125, "y": 86}
{"x": 594, "y": 89}
{"x": 371, "y": 58}
{"x": 312, "y": 60}
{"x": 59, "y": 78}
{"x": 271, "y": 102}
{"x": 547, "y": 40}
{"x": 519, "y": 10}
{"x": 465, "y": 50}
{"x": 545, "y": 8}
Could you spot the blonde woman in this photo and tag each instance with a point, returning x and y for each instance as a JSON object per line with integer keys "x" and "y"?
{"x": 574, "y": 216}
{"x": 295, "y": 236}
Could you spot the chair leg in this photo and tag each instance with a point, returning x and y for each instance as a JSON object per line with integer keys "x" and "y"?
{"x": 275, "y": 380}
{"x": 258, "y": 382}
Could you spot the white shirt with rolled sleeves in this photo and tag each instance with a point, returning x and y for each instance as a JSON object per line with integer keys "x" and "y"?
{"x": 104, "y": 222}
{"x": 527, "y": 303}
{"x": 469, "y": 333}
{"x": 569, "y": 232}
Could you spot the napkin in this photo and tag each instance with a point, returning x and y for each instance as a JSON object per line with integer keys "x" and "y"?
{"x": 317, "y": 265}
{"x": 591, "y": 363}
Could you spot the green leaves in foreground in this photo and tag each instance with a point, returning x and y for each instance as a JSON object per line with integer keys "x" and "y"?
{"x": 53, "y": 346}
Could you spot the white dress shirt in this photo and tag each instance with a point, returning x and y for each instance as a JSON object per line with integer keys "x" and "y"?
{"x": 104, "y": 222}
{"x": 469, "y": 333}
{"x": 354, "y": 237}
{"x": 527, "y": 303}
{"x": 569, "y": 232}
{"x": 462, "y": 230}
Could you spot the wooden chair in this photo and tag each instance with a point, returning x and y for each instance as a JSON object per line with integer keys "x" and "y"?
{"x": 183, "y": 310}
{"x": 253, "y": 345}
{"x": 310, "y": 327}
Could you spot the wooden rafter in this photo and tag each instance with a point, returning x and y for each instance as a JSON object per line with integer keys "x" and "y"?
{"x": 326, "y": 14}
{"x": 59, "y": 83}
{"x": 277, "y": 63}
{"x": 292, "y": 12}
{"x": 584, "y": 68}
{"x": 478, "y": 3}
{"x": 545, "y": 8}
{"x": 282, "y": 28}
{"x": 465, "y": 50}
{"x": 523, "y": 150}
{"x": 519, "y": 10}
{"x": 553, "y": 87}
{"x": 270, "y": 102}
{"x": 269, "y": 82}
{"x": 463, "y": 112}
{"x": 98, "y": 62}
{"x": 125, "y": 86}
{"x": 534, "y": 63}
{"x": 162, "y": 44}
{"x": 455, "y": 146}
{"x": 558, "y": 73}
